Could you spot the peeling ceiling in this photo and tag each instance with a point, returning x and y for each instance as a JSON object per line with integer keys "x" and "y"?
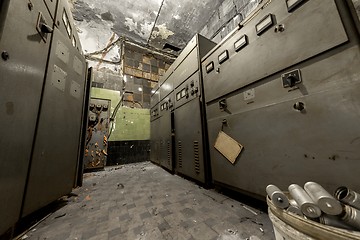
{"x": 147, "y": 22}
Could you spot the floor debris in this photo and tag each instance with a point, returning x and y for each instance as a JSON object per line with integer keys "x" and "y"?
{"x": 154, "y": 205}
{"x": 59, "y": 216}
{"x": 250, "y": 210}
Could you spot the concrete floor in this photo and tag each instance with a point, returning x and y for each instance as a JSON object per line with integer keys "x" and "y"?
{"x": 143, "y": 201}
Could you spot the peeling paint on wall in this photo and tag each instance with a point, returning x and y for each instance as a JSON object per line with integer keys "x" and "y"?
{"x": 162, "y": 32}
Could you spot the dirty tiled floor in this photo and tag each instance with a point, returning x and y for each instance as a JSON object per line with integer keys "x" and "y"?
{"x": 143, "y": 201}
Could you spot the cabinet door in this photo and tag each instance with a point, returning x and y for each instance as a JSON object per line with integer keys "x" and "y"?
{"x": 24, "y": 52}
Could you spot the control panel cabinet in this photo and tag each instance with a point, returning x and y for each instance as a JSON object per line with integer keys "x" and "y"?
{"x": 154, "y": 134}
{"x": 24, "y": 46}
{"x": 286, "y": 87}
{"x": 191, "y": 148}
{"x": 97, "y": 134}
{"x": 189, "y": 137}
{"x": 56, "y": 146}
{"x": 165, "y": 132}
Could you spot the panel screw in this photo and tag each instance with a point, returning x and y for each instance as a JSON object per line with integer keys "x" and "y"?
{"x": 5, "y": 55}
{"x": 30, "y": 6}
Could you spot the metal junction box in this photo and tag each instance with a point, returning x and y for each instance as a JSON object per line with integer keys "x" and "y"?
{"x": 286, "y": 87}
{"x": 97, "y": 134}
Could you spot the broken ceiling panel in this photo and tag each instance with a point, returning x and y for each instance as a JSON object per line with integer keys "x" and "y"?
{"x": 179, "y": 21}
{"x": 151, "y": 23}
{"x": 132, "y": 19}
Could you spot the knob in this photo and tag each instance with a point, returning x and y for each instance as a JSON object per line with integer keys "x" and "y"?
{"x": 222, "y": 104}
{"x": 299, "y": 106}
{"x": 46, "y": 28}
{"x": 291, "y": 80}
{"x": 5, "y": 55}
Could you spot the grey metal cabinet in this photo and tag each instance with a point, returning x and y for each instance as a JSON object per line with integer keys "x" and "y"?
{"x": 155, "y": 126}
{"x": 189, "y": 137}
{"x": 24, "y": 50}
{"x": 292, "y": 100}
{"x": 191, "y": 149}
{"x": 56, "y": 146}
{"x": 165, "y": 132}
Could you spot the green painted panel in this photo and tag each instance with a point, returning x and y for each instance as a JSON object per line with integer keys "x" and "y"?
{"x": 130, "y": 123}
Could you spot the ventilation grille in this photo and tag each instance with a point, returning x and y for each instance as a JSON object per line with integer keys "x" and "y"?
{"x": 161, "y": 150}
{"x": 168, "y": 153}
{"x": 179, "y": 154}
{"x": 196, "y": 157}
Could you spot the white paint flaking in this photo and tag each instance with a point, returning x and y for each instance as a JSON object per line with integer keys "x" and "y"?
{"x": 131, "y": 24}
{"x": 94, "y": 37}
{"x": 163, "y": 32}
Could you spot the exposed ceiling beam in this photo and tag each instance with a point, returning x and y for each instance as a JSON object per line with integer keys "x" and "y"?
{"x": 157, "y": 16}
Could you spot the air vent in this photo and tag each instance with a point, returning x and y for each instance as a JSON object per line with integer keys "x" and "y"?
{"x": 171, "y": 47}
{"x": 168, "y": 153}
{"x": 161, "y": 148}
{"x": 157, "y": 151}
{"x": 179, "y": 154}
{"x": 196, "y": 157}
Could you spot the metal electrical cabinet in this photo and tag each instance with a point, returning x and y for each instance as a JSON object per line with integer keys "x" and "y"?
{"x": 24, "y": 50}
{"x": 166, "y": 131}
{"x": 56, "y": 146}
{"x": 286, "y": 86}
{"x": 97, "y": 134}
{"x": 189, "y": 122}
{"x": 155, "y": 126}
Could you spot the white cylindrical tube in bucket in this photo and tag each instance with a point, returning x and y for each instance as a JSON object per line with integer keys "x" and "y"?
{"x": 306, "y": 204}
{"x": 294, "y": 208}
{"x": 277, "y": 197}
{"x": 352, "y": 217}
{"x": 334, "y": 221}
{"x": 326, "y": 202}
{"x": 348, "y": 197}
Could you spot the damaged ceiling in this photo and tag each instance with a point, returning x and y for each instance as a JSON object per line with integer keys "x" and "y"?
{"x": 151, "y": 23}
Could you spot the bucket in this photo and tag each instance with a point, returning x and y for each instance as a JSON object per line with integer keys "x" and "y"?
{"x": 289, "y": 226}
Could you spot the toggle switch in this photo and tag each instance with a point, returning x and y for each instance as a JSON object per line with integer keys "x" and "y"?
{"x": 291, "y": 81}
{"x": 223, "y": 104}
{"x": 292, "y": 78}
